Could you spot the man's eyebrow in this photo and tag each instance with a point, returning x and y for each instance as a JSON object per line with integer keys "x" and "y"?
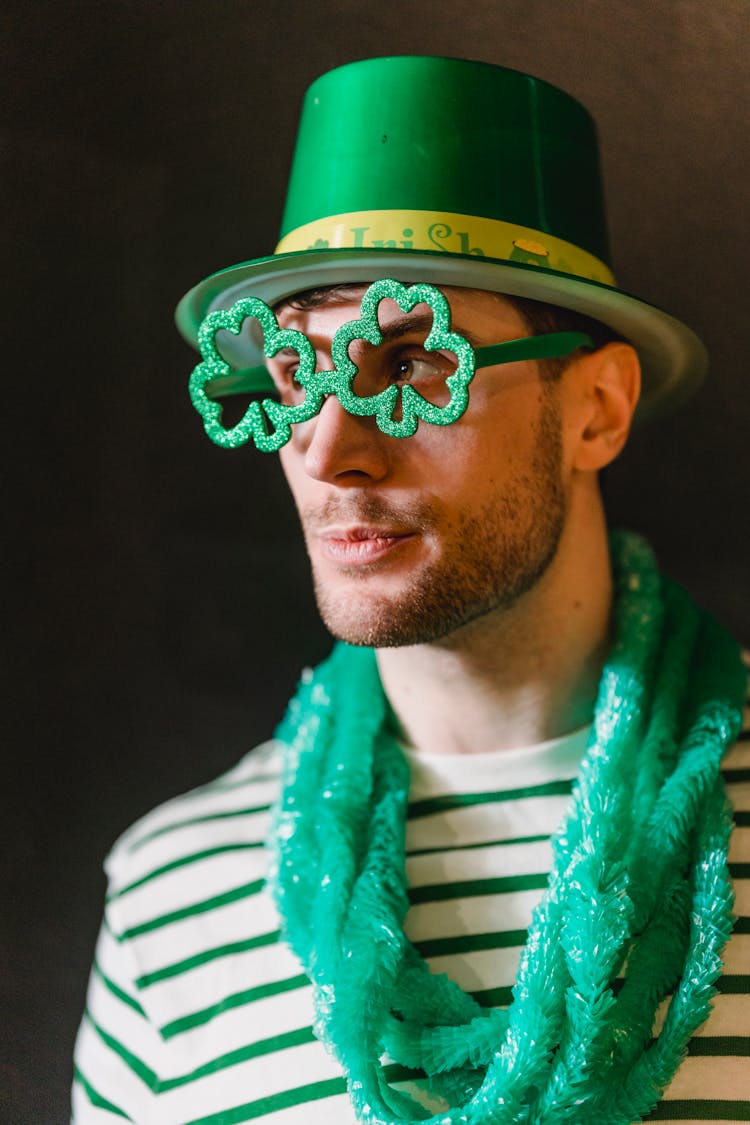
{"x": 420, "y": 322}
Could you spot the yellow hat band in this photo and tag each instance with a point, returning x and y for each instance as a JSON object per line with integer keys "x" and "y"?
{"x": 450, "y": 233}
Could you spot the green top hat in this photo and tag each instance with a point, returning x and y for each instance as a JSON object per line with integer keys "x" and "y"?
{"x": 456, "y": 173}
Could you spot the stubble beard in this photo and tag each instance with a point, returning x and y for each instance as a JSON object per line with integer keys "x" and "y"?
{"x": 488, "y": 562}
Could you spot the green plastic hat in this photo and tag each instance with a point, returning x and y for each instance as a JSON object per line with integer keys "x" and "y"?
{"x": 455, "y": 173}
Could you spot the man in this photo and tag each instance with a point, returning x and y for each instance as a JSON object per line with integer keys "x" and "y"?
{"x": 494, "y": 883}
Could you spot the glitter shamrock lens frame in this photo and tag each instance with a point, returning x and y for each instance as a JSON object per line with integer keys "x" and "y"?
{"x": 428, "y": 382}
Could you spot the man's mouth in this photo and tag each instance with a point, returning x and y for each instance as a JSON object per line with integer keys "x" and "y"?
{"x": 360, "y": 544}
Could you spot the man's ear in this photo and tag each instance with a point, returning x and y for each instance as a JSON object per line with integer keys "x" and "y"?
{"x": 609, "y": 384}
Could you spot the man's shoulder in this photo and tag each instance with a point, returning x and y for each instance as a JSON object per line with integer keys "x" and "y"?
{"x": 223, "y": 814}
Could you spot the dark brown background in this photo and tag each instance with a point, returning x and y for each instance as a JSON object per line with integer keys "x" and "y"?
{"x": 158, "y": 601}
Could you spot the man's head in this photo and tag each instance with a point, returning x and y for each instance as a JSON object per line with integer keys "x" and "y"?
{"x": 412, "y": 539}
{"x": 484, "y": 183}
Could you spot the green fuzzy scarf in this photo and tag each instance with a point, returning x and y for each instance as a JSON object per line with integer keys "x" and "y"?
{"x": 639, "y": 887}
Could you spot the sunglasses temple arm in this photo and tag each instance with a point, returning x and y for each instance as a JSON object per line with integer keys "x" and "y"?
{"x": 550, "y": 345}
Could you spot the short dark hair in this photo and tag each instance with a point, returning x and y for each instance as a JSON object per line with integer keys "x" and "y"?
{"x": 542, "y": 318}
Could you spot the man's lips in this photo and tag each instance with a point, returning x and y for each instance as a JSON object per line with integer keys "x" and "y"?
{"x": 360, "y": 544}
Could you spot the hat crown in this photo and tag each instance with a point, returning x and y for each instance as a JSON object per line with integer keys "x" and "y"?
{"x": 414, "y": 133}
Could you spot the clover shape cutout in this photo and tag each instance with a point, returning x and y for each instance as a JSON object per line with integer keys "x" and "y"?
{"x": 414, "y": 407}
{"x": 253, "y": 424}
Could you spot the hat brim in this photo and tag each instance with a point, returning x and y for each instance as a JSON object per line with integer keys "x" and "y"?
{"x": 673, "y": 359}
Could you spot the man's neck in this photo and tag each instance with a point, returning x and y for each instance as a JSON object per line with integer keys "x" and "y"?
{"x": 517, "y": 676}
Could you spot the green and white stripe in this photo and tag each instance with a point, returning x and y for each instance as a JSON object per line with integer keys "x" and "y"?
{"x": 198, "y": 1014}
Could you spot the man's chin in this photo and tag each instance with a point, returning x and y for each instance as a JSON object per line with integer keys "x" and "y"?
{"x": 376, "y": 634}
{"x": 413, "y": 618}
{"x": 372, "y": 621}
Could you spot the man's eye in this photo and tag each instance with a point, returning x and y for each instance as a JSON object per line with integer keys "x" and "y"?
{"x": 427, "y": 372}
{"x": 413, "y": 368}
{"x": 287, "y": 386}
{"x": 285, "y": 380}
{"x": 421, "y": 366}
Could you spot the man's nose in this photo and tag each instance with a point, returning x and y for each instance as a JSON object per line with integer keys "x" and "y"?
{"x": 338, "y": 445}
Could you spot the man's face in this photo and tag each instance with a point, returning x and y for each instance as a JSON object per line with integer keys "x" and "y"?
{"x": 412, "y": 538}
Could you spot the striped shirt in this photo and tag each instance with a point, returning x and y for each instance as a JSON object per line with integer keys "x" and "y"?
{"x": 198, "y": 1014}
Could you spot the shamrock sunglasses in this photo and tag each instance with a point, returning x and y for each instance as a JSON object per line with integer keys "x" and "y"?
{"x": 439, "y": 396}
